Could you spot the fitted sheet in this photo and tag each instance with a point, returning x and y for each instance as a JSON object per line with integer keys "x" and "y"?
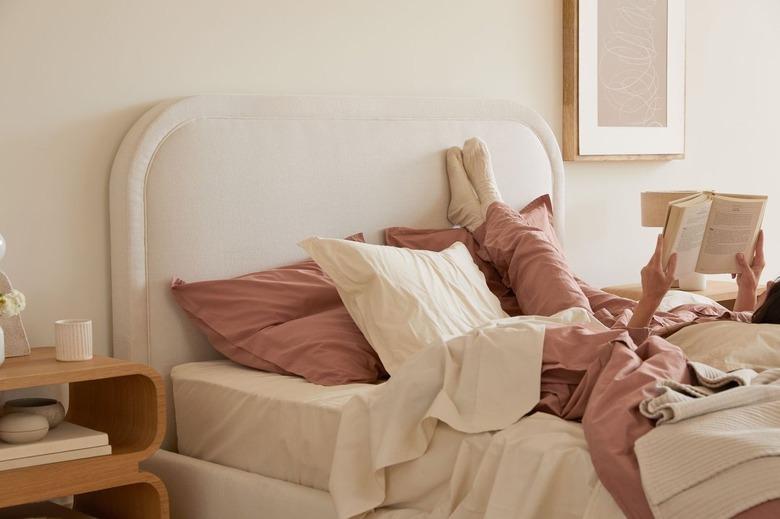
{"x": 274, "y": 425}
{"x": 285, "y": 428}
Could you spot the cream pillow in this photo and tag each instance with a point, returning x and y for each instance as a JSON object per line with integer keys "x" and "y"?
{"x": 402, "y": 299}
{"x": 675, "y": 298}
{"x": 729, "y": 345}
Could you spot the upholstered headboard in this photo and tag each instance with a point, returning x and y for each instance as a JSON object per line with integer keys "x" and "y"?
{"x": 216, "y": 186}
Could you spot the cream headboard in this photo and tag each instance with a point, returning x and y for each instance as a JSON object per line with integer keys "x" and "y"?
{"x": 216, "y": 186}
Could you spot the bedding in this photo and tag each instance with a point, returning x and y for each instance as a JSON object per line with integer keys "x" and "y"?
{"x": 285, "y": 428}
{"x": 538, "y": 213}
{"x": 530, "y": 263}
{"x": 729, "y": 345}
{"x": 439, "y": 239}
{"x": 715, "y": 451}
{"x": 401, "y": 299}
{"x": 611, "y": 309}
{"x": 597, "y": 377}
{"x": 286, "y": 320}
{"x": 601, "y": 378}
{"x": 274, "y": 425}
{"x": 483, "y": 381}
{"x": 676, "y": 298}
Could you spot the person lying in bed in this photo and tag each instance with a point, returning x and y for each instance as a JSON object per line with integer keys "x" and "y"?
{"x": 532, "y": 262}
{"x": 596, "y": 376}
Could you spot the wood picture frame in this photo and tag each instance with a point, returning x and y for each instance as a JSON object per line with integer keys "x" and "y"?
{"x": 585, "y": 138}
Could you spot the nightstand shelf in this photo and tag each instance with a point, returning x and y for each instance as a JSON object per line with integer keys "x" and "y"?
{"x": 724, "y": 292}
{"x": 45, "y": 509}
{"x": 124, "y": 400}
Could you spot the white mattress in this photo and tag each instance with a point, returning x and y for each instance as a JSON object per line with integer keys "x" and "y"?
{"x": 274, "y": 425}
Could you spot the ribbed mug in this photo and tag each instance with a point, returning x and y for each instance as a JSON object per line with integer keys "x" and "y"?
{"x": 73, "y": 339}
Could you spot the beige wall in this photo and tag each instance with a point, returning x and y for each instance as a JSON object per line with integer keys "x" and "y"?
{"x": 75, "y": 75}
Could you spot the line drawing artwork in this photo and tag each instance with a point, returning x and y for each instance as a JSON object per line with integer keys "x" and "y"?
{"x": 632, "y": 44}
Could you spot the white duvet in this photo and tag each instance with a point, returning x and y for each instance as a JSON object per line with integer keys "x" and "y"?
{"x": 467, "y": 396}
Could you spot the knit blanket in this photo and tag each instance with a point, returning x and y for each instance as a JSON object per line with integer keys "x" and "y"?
{"x": 715, "y": 450}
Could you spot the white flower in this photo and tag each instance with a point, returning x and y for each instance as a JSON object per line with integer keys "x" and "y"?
{"x": 12, "y": 303}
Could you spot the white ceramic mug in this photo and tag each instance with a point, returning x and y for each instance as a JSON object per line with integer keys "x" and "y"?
{"x": 73, "y": 339}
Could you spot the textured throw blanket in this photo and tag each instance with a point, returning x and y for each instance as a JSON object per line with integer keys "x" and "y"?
{"x": 716, "y": 450}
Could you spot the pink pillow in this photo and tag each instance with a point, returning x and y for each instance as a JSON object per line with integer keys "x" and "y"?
{"x": 287, "y": 320}
{"x": 439, "y": 239}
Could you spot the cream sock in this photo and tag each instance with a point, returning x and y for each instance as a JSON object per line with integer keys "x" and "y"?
{"x": 476, "y": 159}
{"x": 464, "y": 208}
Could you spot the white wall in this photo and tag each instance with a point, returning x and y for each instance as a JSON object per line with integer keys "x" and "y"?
{"x": 75, "y": 75}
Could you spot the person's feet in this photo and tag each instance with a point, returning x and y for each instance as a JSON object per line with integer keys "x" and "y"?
{"x": 472, "y": 184}
{"x": 464, "y": 208}
{"x": 476, "y": 159}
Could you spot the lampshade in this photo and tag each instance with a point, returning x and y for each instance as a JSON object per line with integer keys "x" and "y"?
{"x": 2, "y": 246}
{"x": 656, "y": 203}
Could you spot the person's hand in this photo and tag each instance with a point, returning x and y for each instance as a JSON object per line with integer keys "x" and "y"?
{"x": 749, "y": 274}
{"x": 657, "y": 278}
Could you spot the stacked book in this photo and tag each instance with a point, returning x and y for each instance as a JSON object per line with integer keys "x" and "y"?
{"x": 65, "y": 442}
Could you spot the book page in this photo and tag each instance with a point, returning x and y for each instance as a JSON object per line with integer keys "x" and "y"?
{"x": 688, "y": 238}
{"x": 732, "y": 227}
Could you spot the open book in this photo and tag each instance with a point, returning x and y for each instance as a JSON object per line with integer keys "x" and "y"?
{"x": 708, "y": 229}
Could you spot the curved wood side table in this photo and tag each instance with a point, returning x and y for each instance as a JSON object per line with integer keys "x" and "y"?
{"x": 123, "y": 399}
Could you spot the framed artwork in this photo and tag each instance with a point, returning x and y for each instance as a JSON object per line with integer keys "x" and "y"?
{"x": 623, "y": 79}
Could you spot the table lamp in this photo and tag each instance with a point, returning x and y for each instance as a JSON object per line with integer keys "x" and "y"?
{"x": 654, "y": 207}
{"x": 2, "y": 247}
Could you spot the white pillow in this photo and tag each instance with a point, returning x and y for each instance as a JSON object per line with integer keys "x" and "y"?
{"x": 675, "y": 298}
{"x": 729, "y": 345}
{"x": 402, "y": 299}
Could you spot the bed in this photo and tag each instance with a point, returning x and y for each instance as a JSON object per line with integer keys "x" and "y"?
{"x": 214, "y": 186}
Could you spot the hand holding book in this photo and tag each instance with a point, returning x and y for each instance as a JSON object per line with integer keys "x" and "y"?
{"x": 657, "y": 278}
{"x": 748, "y": 276}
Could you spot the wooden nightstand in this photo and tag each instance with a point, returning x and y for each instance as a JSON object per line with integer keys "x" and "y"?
{"x": 124, "y": 400}
{"x": 724, "y": 292}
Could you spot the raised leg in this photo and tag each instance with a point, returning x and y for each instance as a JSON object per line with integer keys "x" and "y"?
{"x": 530, "y": 263}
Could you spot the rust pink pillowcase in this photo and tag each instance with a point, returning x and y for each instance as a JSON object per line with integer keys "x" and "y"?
{"x": 287, "y": 320}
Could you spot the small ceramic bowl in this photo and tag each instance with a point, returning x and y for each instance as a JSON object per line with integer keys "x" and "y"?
{"x": 23, "y": 427}
{"x": 49, "y": 408}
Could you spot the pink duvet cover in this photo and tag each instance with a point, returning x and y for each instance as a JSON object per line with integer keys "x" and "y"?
{"x": 596, "y": 377}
